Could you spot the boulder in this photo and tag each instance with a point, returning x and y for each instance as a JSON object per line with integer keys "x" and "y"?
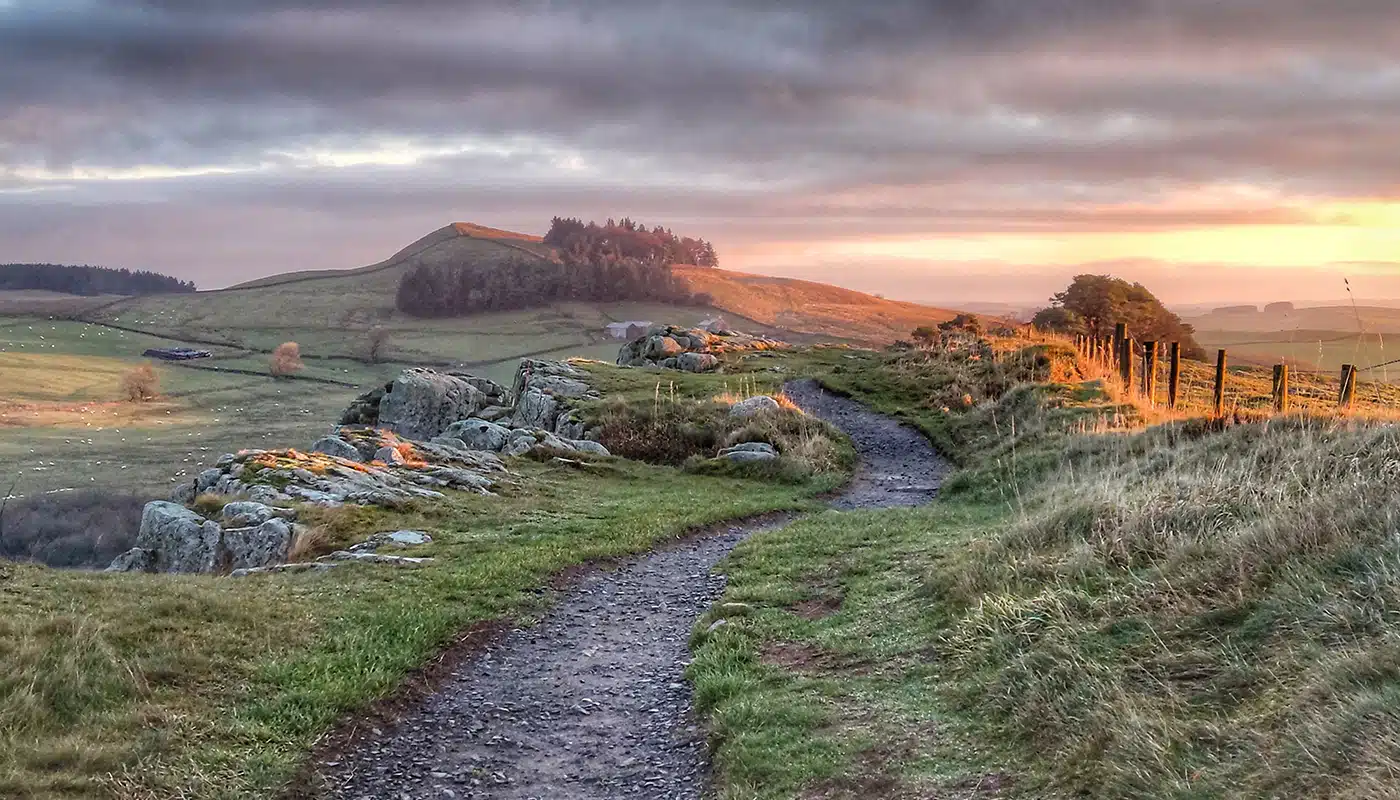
{"x": 184, "y": 494}
{"x": 392, "y": 539}
{"x": 137, "y": 559}
{"x": 753, "y": 407}
{"x": 749, "y": 451}
{"x": 336, "y": 446}
{"x": 242, "y": 513}
{"x": 260, "y": 546}
{"x": 364, "y": 410}
{"x": 478, "y": 434}
{"x": 535, "y": 410}
{"x": 697, "y": 362}
{"x": 182, "y": 540}
{"x": 421, "y": 403}
{"x": 662, "y": 347}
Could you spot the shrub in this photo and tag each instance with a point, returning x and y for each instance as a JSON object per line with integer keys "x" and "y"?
{"x": 378, "y": 340}
{"x": 77, "y": 529}
{"x": 286, "y": 360}
{"x": 141, "y": 384}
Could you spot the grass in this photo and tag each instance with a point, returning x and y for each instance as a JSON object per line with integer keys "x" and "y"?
{"x": 1095, "y": 608}
{"x": 135, "y": 686}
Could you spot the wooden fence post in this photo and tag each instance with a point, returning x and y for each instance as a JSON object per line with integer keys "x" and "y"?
{"x": 1125, "y": 366}
{"x": 1174, "y": 375}
{"x": 1120, "y": 332}
{"x": 1220, "y": 384}
{"x": 1281, "y": 388}
{"x": 1348, "y": 388}
{"x": 1149, "y": 372}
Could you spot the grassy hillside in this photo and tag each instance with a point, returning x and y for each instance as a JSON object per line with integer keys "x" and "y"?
{"x": 1372, "y": 319}
{"x": 1095, "y": 608}
{"x": 328, "y": 303}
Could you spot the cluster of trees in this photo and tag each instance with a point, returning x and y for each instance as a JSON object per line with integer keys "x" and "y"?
{"x": 88, "y": 281}
{"x": 591, "y": 243}
{"x": 519, "y": 283}
{"x": 1093, "y": 304}
{"x": 612, "y": 262}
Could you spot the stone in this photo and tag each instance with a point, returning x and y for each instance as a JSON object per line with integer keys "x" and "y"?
{"x": 376, "y": 558}
{"x": 207, "y": 479}
{"x": 392, "y": 539}
{"x": 266, "y": 495}
{"x": 521, "y": 443}
{"x": 535, "y": 410}
{"x": 752, "y": 447}
{"x": 450, "y": 442}
{"x": 421, "y": 403}
{"x": 243, "y": 513}
{"x": 260, "y": 546}
{"x": 182, "y": 540}
{"x": 184, "y": 494}
{"x": 495, "y": 413}
{"x": 300, "y": 566}
{"x": 586, "y": 446}
{"x": 663, "y": 347}
{"x": 336, "y": 446}
{"x": 697, "y": 362}
{"x": 137, "y": 559}
{"x": 389, "y": 455}
{"x": 479, "y": 434}
{"x": 746, "y": 456}
{"x": 753, "y": 406}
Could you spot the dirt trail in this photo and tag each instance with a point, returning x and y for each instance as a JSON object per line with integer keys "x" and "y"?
{"x": 592, "y": 702}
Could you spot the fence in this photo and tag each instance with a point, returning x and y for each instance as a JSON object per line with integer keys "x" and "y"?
{"x": 1137, "y": 368}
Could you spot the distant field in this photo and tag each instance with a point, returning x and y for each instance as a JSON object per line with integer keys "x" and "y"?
{"x": 1308, "y": 350}
{"x": 38, "y": 303}
{"x": 1372, "y": 319}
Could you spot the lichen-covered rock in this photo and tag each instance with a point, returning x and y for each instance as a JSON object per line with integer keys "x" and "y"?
{"x": 184, "y": 493}
{"x": 207, "y": 479}
{"x": 364, "y": 410}
{"x": 336, "y": 446}
{"x": 478, "y": 434}
{"x": 754, "y": 406}
{"x": 421, "y": 403}
{"x": 242, "y": 513}
{"x": 259, "y": 546}
{"x": 182, "y": 540}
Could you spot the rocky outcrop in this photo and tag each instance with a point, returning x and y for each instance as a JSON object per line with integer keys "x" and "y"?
{"x": 689, "y": 349}
{"x": 175, "y": 539}
{"x": 421, "y": 403}
{"x": 479, "y": 434}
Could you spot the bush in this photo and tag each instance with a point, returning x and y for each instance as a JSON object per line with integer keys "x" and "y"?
{"x": 78, "y": 529}
{"x": 141, "y": 384}
{"x": 286, "y": 360}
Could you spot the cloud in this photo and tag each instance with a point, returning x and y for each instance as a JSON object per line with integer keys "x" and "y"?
{"x": 751, "y": 119}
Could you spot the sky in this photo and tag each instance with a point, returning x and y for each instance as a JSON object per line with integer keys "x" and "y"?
{"x": 935, "y": 150}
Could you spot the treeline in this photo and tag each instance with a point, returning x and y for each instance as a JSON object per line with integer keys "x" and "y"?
{"x": 592, "y": 243}
{"x": 525, "y": 283}
{"x": 88, "y": 281}
{"x": 616, "y": 261}
{"x": 1094, "y": 304}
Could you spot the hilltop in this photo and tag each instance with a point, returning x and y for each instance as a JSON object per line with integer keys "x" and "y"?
{"x": 354, "y": 299}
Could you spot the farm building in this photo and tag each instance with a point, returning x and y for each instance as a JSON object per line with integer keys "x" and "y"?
{"x": 176, "y": 353}
{"x": 629, "y": 330}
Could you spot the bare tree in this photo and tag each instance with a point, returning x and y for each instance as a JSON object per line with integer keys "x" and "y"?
{"x": 378, "y": 341}
{"x": 286, "y": 360}
{"x": 141, "y": 384}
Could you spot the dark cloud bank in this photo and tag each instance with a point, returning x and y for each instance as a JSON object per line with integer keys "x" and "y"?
{"x": 747, "y": 121}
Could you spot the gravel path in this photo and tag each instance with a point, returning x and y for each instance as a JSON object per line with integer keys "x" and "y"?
{"x": 592, "y": 702}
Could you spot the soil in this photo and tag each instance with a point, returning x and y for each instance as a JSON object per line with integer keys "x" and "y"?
{"x": 592, "y": 701}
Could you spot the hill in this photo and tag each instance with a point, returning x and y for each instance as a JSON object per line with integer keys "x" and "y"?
{"x": 1373, "y": 319}
{"x": 357, "y": 299}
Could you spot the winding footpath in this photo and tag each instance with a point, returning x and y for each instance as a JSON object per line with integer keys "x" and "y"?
{"x": 592, "y": 703}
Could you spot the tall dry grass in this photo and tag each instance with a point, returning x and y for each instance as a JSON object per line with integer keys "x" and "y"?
{"x": 1195, "y": 612}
